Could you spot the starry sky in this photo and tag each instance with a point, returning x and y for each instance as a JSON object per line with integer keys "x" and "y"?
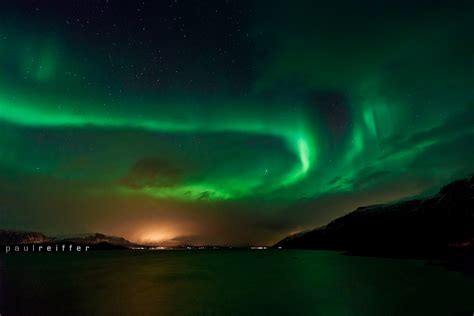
{"x": 227, "y": 122}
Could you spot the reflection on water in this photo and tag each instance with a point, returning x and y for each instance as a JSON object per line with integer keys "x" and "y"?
{"x": 201, "y": 282}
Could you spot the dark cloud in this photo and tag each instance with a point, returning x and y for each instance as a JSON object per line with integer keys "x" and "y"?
{"x": 151, "y": 172}
{"x": 204, "y": 195}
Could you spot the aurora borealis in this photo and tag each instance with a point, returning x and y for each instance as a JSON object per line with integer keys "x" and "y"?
{"x": 227, "y": 122}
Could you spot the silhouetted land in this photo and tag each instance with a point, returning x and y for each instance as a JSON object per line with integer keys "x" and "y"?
{"x": 437, "y": 227}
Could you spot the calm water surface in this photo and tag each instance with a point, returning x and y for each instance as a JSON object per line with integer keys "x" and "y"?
{"x": 201, "y": 282}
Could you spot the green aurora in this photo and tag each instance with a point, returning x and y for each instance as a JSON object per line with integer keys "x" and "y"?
{"x": 300, "y": 115}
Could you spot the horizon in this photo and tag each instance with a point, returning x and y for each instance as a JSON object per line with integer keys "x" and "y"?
{"x": 172, "y": 244}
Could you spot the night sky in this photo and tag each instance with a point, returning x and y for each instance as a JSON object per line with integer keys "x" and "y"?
{"x": 227, "y": 122}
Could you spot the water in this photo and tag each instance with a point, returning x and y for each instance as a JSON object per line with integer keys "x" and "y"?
{"x": 223, "y": 282}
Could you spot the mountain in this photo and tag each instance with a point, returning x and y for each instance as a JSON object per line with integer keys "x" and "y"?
{"x": 20, "y": 237}
{"x": 96, "y": 241}
{"x": 100, "y": 239}
{"x": 433, "y": 226}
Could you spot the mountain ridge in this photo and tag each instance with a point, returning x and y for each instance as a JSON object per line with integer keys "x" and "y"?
{"x": 430, "y": 226}
{"x": 100, "y": 241}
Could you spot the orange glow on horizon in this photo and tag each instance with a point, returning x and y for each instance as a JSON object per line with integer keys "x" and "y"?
{"x": 155, "y": 235}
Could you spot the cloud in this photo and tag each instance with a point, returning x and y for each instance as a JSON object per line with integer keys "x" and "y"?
{"x": 205, "y": 195}
{"x": 151, "y": 172}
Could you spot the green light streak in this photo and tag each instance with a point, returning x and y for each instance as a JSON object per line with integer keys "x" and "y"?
{"x": 39, "y": 111}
